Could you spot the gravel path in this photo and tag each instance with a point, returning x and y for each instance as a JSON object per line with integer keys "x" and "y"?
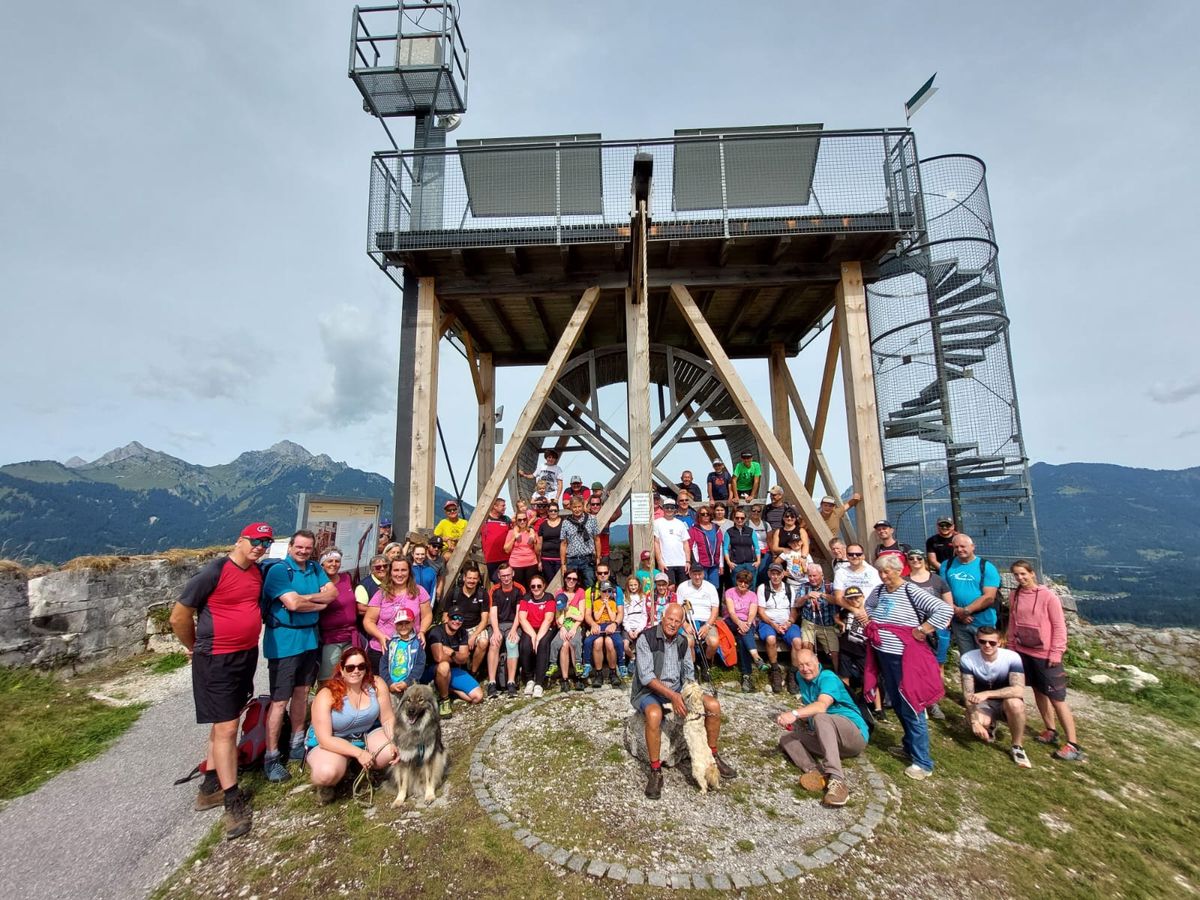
{"x": 115, "y": 826}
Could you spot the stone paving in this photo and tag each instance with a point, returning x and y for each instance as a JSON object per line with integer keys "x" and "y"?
{"x": 860, "y": 823}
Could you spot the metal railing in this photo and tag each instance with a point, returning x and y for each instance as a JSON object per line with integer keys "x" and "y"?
{"x": 576, "y": 189}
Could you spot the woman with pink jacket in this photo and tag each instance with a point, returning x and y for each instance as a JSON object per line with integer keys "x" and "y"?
{"x": 1038, "y": 631}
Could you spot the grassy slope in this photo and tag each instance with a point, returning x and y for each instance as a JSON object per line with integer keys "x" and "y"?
{"x": 1123, "y": 825}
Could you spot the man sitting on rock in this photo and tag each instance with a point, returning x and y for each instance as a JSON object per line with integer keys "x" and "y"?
{"x": 663, "y": 667}
{"x": 828, "y": 725}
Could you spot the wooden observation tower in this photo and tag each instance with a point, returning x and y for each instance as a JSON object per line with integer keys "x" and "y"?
{"x": 649, "y": 263}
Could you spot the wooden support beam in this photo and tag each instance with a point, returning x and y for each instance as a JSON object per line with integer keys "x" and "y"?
{"x": 741, "y": 397}
{"x": 487, "y": 496}
{"x": 504, "y": 322}
{"x": 822, "y": 415}
{"x": 466, "y": 322}
{"x": 637, "y": 345}
{"x": 515, "y": 261}
{"x": 771, "y": 320}
{"x": 726, "y": 249}
{"x": 486, "y": 393}
{"x": 539, "y": 314}
{"x": 862, "y": 417}
{"x": 781, "y": 417}
{"x": 781, "y": 245}
{"x": 473, "y": 365}
{"x": 424, "y": 418}
{"x": 446, "y": 324}
{"x": 745, "y": 299}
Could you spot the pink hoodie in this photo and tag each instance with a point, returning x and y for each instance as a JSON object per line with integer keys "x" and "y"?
{"x": 1036, "y": 626}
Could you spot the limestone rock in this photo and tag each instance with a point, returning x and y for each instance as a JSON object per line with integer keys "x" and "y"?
{"x": 673, "y": 751}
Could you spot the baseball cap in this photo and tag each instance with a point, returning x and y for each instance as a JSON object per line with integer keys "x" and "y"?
{"x": 945, "y": 521}
{"x": 403, "y": 615}
{"x": 607, "y": 587}
{"x": 575, "y": 479}
{"x": 257, "y": 530}
{"x": 668, "y": 502}
{"x": 775, "y": 567}
{"x": 645, "y": 554}
{"x": 662, "y": 576}
{"x": 717, "y": 462}
{"x": 385, "y": 523}
{"x": 746, "y": 454}
{"x": 853, "y": 591}
{"x": 597, "y": 485}
{"x": 882, "y": 523}
{"x": 829, "y": 500}
{"x": 449, "y": 503}
{"x": 435, "y": 541}
{"x": 696, "y": 567}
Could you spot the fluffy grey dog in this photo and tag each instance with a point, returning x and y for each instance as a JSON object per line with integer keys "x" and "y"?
{"x": 418, "y": 740}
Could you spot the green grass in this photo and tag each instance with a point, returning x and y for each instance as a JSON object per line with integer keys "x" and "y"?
{"x": 168, "y": 662}
{"x": 1176, "y": 698}
{"x": 46, "y": 727}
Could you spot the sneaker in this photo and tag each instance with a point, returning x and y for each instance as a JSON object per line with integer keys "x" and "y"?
{"x": 614, "y": 680}
{"x": 552, "y": 670}
{"x": 747, "y": 685}
{"x": 812, "y": 781}
{"x": 209, "y": 799}
{"x": 777, "y": 679}
{"x": 1019, "y": 757}
{"x": 579, "y": 684}
{"x": 586, "y": 672}
{"x": 623, "y": 671}
{"x": 899, "y": 752}
{"x": 1070, "y": 753}
{"x": 836, "y": 794}
{"x": 880, "y": 715}
{"x": 654, "y": 784}
{"x": 916, "y": 773}
{"x": 238, "y": 816}
{"x": 764, "y": 666}
{"x": 326, "y": 794}
{"x": 726, "y": 770}
{"x": 275, "y": 770}
{"x": 578, "y": 670}
{"x": 596, "y": 680}
{"x": 491, "y": 690}
{"x": 444, "y": 709}
{"x": 1049, "y": 736}
{"x": 511, "y": 689}
{"x": 538, "y": 690}
{"x": 564, "y": 686}
{"x": 935, "y": 713}
{"x": 297, "y": 751}
{"x": 529, "y": 686}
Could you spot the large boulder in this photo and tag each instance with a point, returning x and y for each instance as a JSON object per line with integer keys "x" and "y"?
{"x": 673, "y": 752}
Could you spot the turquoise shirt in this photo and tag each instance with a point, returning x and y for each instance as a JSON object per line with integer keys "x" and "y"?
{"x": 828, "y": 683}
{"x": 966, "y": 585}
{"x": 282, "y": 578}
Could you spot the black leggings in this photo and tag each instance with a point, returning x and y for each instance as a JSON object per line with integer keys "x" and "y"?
{"x": 535, "y": 664}
{"x": 522, "y": 575}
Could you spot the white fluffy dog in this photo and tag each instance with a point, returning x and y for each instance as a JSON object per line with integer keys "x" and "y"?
{"x": 704, "y": 767}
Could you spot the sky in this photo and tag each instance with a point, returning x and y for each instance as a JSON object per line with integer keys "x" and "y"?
{"x": 183, "y": 226}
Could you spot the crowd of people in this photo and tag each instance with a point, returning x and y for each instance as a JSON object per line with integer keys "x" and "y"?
{"x": 731, "y": 581}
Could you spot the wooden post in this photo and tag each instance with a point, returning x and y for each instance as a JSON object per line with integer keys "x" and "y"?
{"x": 486, "y": 387}
{"x": 781, "y": 418}
{"x": 520, "y": 431}
{"x": 788, "y": 476}
{"x": 421, "y": 513}
{"x": 862, "y": 417}
{"x": 822, "y": 415}
{"x": 637, "y": 345}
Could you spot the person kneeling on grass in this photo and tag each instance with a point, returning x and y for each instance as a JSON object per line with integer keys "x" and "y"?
{"x": 663, "y": 667}
{"x": 993, "y": 685}
{"x": 448, "y": 646}
{"x": 349, "y": 723}
{"x": 828, "y": 724}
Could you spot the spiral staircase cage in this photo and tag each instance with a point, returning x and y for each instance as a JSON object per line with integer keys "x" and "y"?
{"x": 949, "y": 418}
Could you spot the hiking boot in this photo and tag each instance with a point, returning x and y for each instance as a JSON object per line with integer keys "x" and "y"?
{"x": 579, "y": 685}
{"x": 777, "y": 679}
{"x": 899, "y": 752}
{"x": 238, "y": 816}
{"x": 793, "y": 685}
{"x": 614, "y": 680}
{"x": 511, "y": 689}
{"x": 209, "y": 799}
{"x": 326, "y": 794}
{"x": 836, "y": 793}
{"x": 880, "y": 715}
{"x": 586, "y": 673}
{"x": 297, "y": 752}
{"x": 1070, "y": 753}
{"x": 935, "y": 713}
{"x": 916, "y": 773}
{"x": 623, "y": 671}
{"x": 1049, "y": 736}
{"x": 529, "y": 685}
{"x": 1019, "y": 757}
{"x": 275, "y": 771}
{"x": 552, "y": 670}
{"x": 564, "y": 686}
{"x": 654, "y": 784}
{"x": 491, "y": 690}
{"x": 444, "y": 709}
{"x": 726, "y": 770}
{"x": 812, "y": 781}
{"x": 538, "y": 691}
{"x": 747, "y": 684}
{"x": 597, "y": 680}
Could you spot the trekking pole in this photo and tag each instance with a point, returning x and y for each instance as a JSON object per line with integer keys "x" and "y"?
{"x": 701, "y": 652}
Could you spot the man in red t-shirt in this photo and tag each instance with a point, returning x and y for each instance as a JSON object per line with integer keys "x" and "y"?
{"x": 218, "y": 621}
{"x": 492, "y": 536}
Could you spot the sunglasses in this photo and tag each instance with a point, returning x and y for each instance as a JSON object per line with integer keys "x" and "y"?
{"x": 704, "y": 513}
{"x": 378, "y": 568}
{"x": 854, "y": 554}
{"x": 456, "y": 618}
{"x": 354, "y": 667}
{"x": 260, "y": 542}
{"x": 536, "y": 587}
{"x": 739, "y": 518}
{"x": 571, "y": 578}
{"x": 986, "y": 643}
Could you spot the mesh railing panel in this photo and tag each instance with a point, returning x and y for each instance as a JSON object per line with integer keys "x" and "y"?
{"x": 951, "y": 428}
{"x": 533, "y": 193}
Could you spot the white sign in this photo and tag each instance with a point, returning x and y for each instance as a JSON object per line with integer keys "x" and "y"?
{"x": 639, "y": 508}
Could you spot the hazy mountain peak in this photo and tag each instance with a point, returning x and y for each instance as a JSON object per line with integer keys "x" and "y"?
{"x": 132, "y": 450}
{"x": 290, "y": 450}
{"x": 75, "y": 462}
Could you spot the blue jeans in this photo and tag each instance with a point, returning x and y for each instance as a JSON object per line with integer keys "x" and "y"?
{"x": 586, "y": 569}
{"x": 916, "y": 726}
{"x": 746, "y": 645}
{"x": 964, "y": 636}
{"x": 618, "y": 639}
{"x": 763, "y": 565}
{"x": 713, "y": 577}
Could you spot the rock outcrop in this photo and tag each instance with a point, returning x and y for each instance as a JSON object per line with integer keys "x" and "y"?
{"x": 673, "y": 751}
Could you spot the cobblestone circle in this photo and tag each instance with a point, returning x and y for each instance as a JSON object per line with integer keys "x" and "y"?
{"x": 858, "y": 826}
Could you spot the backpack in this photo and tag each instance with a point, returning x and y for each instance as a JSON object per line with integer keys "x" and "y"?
{"x": 1000, "y": 603}
{"x": 252, "y": 745}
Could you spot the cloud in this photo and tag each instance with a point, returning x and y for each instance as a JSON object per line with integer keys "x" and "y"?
{"x": 211, "y": 372}
{"x": 1187, "y": 433}
{"x": 364, "y": 364}
{"x": 1175, "y": 391}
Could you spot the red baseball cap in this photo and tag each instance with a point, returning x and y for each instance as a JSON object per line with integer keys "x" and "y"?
{"x": 257, "y": 530}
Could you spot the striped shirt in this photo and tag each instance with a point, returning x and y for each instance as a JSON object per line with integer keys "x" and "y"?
{"x": 905, "y": 606}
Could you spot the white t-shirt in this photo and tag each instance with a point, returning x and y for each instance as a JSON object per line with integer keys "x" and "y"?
{"x": 775, "y": 605}
{"x": 866, "y": 580}
{"x": 553, "y": 476}
{"x": 671, "y": 533}
{"x": 797, "y": 566}
{"x": 703, "y": 599}
{"x": 635, "y": 613}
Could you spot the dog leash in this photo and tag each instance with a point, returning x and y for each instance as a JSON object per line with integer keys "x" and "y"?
{"x": 363, "y": 786}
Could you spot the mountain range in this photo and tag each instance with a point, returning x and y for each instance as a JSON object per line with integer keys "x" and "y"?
{"x": 137, "y": 500}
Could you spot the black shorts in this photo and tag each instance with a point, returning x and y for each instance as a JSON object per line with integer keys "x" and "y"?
{"x": 222, "y": 684}
{"x": 291, "y": 672}
{"x": 1044, "y": 678}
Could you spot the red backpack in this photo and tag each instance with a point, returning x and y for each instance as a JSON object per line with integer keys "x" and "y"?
{"x": 252, "y": 745}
